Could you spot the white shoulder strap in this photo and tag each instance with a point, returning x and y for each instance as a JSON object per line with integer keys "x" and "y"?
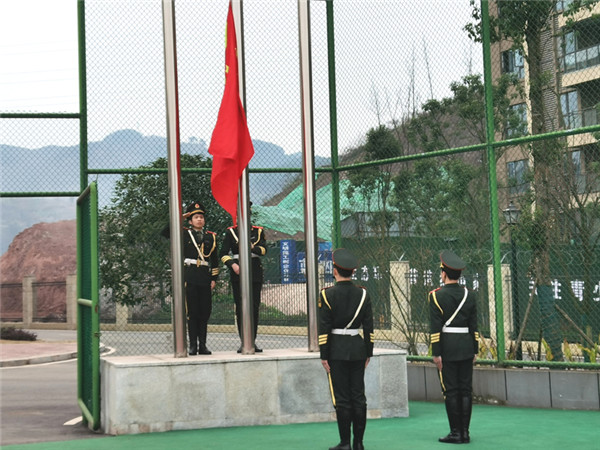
{"x": 362, "y": 300}
{"x": 196, "y": 245}
{"x": 449, "y": 321}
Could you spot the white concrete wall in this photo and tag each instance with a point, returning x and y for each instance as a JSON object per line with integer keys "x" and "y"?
{"x": 534, "y": 388}
{"x": 143, "y": 394}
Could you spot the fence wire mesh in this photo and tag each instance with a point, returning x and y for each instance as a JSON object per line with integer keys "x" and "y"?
{"x": 400, "y": 98}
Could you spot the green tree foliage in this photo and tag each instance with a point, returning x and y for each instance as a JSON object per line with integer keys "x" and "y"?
{"x": 444, "y": 199}
{"x": 453, "y": 121}
{"x": 440, "y": 197}
{"x": 373, "y": 184}
{"x": 134, "y": 256}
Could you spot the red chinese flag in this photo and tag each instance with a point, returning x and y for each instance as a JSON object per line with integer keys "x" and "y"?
{"x": 230, "y": 144}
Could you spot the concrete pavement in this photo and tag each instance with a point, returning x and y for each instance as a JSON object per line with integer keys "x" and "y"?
{"x": 50, "y": 346}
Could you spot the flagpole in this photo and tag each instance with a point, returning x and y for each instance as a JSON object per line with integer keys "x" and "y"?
{"x": 243, "y": 206}
{"x": 174, "y": 177}
{"x": 308, "y": 171}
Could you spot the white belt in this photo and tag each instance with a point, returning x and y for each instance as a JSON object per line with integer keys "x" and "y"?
{"x": 462, "y": 330}
{"x": 254, "y": 255}
{"x": 345, "y": 331}
{"x": 194, "y": 262}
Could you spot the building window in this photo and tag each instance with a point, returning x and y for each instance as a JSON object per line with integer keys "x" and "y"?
{"x": 584, "y": 161}
{"x": 516, "y": 123}
{"x": 563, "y": 5}
{"x": 581, "y": 48}
{"x": 512, "y": 62}
{"x": 569, "y": 105}
{"x": 517, "y": 176}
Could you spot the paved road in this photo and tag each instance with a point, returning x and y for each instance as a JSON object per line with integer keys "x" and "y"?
{"x": 37, "y": 401}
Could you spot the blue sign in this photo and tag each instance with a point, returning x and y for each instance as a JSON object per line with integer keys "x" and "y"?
{"x": 301, "y": 265}
{"x": 287, "y": 250}
{"x": 293, "y": 263}
{"x": 326, "y": 259}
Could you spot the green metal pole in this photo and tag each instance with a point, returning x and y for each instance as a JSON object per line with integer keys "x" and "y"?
{"x": 95, "y": 298}
{"x": 491, "y": 160}
{"x": 80, "y": 255}
{"x": 83, "y": 147}
{"x": 336, "y": 232}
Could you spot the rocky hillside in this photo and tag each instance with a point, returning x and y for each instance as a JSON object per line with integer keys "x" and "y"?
{"x": 48, "y": 252}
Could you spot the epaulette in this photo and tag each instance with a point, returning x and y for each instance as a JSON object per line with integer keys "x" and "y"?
{"x": 256, "y": 226}
{"x": 233, "y": 226}
{"x": 433, "y": 290}
{"x": 185, "y": 228}
{"x": 211, "y": 232}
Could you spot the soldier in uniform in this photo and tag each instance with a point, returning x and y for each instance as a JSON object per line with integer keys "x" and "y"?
{"x": 201, "y": 269}
{"x": 230, "y": 257}
{"x": 345, "y": 354}
{"x": 455, "y": 344}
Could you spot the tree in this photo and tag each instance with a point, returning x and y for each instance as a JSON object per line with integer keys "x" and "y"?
{"x": 134, "y": 257}
{"x": 373, "y": 184}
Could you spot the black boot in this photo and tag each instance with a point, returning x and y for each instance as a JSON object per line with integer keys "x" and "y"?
{"x": 193, "y": 337}
{"x": 193, "y": 347}
{"x": 202, "y": 332}
{"x": 453, "y": 413}
{"x": 465, "y": 411}
{"x": 359, "y": 423}
{"x": 344, "y": 421}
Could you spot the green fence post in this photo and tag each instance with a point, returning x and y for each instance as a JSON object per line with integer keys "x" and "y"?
{"x": 336, "y": 232}
{"x": 491, "y": 160}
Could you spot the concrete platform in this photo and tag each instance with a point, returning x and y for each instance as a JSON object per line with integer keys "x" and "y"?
{"x": 143, "y": 394}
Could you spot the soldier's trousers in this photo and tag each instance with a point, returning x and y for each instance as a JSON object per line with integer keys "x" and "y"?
{"x": 456, "y": 378}
{"x": 198, "y": 303}
{"x": 348, "y": 382}
{"x": 237, "y": 296}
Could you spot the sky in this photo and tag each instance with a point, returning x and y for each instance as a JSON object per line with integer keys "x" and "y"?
{"x": 381, "y": 47}
{"x": 38, "y": 49}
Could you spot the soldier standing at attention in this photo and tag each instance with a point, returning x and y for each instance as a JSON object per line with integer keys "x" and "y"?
{"x": 455, "y": 344}
{"x": 230, "y": 257}
{"x": 201, "y": 269}
{"x": 345, "y": 354}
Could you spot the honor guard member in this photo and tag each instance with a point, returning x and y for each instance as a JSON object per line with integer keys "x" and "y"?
{"x": 345, "y": 354}
{"x": 201, "y": 269}
{"x": 230, "y": 257}
{"x": 454, "y": 344}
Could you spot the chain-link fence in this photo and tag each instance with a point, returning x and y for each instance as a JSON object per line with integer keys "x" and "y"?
{"x": 435, "y": 146}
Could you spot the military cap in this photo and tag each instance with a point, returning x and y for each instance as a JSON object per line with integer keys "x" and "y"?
{"x": 451, "y": 260}
{"x": 195, "y": 208}
{"x": 344, "y": 259}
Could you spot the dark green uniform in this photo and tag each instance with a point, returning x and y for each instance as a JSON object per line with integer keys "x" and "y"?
{"x": 229, "y": 255}
{"x": 454, "y": 337}
{"x": 463, "y": 342}
{"x": 347, "y": 351}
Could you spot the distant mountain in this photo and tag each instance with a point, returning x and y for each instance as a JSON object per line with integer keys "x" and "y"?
{"x": 56, "y": 169}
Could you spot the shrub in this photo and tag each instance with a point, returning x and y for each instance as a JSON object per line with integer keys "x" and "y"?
{"x": 16, "y": 334}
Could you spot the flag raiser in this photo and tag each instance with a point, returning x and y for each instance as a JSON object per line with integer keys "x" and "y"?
{"x": 230, "y": 145}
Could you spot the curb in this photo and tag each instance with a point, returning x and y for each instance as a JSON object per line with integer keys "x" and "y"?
{"x": 38, "y": 359}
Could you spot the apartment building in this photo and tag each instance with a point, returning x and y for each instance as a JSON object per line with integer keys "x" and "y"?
{"x": 570, "y": 63}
